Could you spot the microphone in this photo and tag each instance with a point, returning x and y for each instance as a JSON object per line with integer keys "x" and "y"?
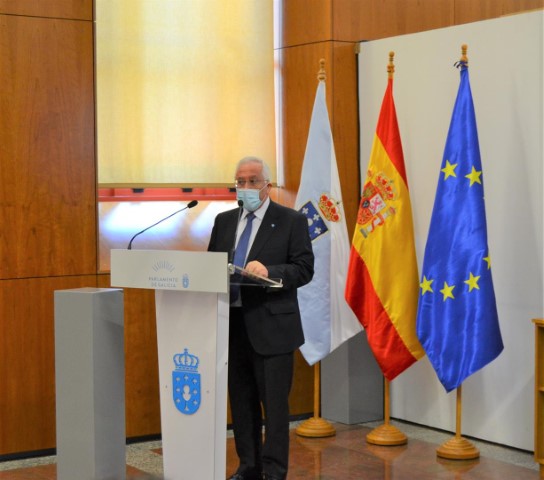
{"x": 231, "y": 252}
{"x": 191, "y": 204}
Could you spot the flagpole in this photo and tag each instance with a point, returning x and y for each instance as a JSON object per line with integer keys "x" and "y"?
{"x": 316, "y": 427}
{"x": 462, "y": 124}
{"x": 387, "y": 434}
{"x": 458, "y": 448}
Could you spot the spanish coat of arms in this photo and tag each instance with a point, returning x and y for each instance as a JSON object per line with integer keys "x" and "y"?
{"x": 375, "y": 205}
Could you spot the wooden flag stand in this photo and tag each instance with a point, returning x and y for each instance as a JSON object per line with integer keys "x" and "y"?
{"x": 458, "y": 448}
{"x": 316, "y": 427}
{"x": 386, "y": 434}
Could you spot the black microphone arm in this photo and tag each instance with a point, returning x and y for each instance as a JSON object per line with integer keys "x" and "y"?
{"x": 231, "y": 253}
{"x": 191, "y": 204}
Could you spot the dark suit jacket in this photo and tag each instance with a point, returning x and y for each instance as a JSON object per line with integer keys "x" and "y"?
{"x": 283, "y": 246}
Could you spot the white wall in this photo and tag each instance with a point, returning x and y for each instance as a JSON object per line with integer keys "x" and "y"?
{"x": 505, "y": 68}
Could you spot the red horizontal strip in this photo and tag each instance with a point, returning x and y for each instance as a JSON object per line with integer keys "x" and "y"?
{"x": 389, "y": 350}
{"x": 164, "y": 194}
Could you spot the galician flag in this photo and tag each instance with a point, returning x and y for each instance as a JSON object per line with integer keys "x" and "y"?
{"x": 382, "y": 284}
{"x": 457, "y": 320}
{"x": 326, "y": 318}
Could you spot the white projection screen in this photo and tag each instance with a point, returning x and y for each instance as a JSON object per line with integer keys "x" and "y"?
{"x": 505, "y": 64}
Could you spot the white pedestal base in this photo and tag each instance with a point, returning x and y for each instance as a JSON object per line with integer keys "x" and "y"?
{"x": 90, "y": 384}
{"x": 194, "y": 445}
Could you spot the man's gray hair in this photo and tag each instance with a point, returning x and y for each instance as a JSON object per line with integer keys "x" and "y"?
{"x": 266, "y": 169}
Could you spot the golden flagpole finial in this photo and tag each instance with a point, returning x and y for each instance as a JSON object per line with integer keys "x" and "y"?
{"x": 464, "y": 57}
{"x": 321, "y": 75}
{"x": 391, "y": 66}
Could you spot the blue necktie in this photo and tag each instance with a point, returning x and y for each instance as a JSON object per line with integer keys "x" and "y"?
{"x": 241, "y": 253}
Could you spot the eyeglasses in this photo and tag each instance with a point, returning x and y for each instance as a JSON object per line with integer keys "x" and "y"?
{"x": 253, "y": 183}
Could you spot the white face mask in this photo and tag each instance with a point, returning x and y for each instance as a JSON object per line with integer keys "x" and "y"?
{"x": 250, "y": 197}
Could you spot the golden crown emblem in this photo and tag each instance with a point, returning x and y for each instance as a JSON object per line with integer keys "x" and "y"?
{"x": 329, "y": 208}
{"x": 384, "y": 186}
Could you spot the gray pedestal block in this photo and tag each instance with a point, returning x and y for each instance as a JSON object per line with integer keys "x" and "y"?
{"x": 90, "y": 384}
{"x": 351, "y": 384}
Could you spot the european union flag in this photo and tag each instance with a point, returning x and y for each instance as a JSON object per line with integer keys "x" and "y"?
{"x": 457, "y": 321}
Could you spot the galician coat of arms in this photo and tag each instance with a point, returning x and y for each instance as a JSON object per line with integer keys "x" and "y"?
{"x": 186, "y": 383}
{"x": 375, "y": 207}
{"x": 327, "y": 210}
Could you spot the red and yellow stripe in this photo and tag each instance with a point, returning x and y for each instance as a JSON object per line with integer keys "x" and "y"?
{"x": 382, "y": 282}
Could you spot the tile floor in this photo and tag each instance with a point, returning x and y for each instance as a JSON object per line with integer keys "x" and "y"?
{"x": 345, "y": 456}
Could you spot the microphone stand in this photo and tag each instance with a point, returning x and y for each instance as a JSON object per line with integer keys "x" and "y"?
{"x": 191, "y": 204}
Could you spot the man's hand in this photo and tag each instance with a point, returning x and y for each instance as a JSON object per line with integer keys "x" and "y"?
{"x": 257, "y": 268}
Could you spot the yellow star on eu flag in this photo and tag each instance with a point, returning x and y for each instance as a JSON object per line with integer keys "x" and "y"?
{"x": 426, "y": 285}
{"x": 447, "y": 291}
{"x": 472, "y": 282}
{"x": 474, "y": 176}
{"x": 449, "y": 170}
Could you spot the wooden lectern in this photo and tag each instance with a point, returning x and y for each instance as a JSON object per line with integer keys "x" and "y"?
{"x": 192, "y": 315}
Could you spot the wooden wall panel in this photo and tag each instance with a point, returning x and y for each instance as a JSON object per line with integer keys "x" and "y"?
{"x": 299, "y": 66}
{"x": 27, "y": 369}
{"x": 467, "y": 11}
{"x": 356, "y": 20}
{"x": 301, "y": 399}
{"x": 141, "y": 360}
{"x": 48, "y": 193}
{"x": 304, "y": 21}
{"x": 345, "y": 128}
{"x": 298, "y": 87}
{"x": 74, "y": 9}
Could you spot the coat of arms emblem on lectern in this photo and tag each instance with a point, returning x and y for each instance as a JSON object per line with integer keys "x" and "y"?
{"x": 186, "y": 382}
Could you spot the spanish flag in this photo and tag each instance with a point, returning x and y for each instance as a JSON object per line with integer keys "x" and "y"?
{"x": 382, "y": 282}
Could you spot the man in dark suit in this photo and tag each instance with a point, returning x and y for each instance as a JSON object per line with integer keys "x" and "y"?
{"x": 265, "y": 326}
